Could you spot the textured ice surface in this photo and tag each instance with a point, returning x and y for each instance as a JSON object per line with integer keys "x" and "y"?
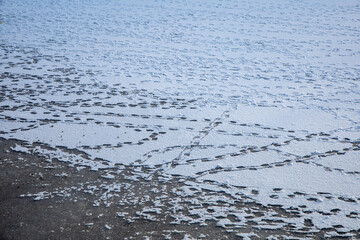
{"x": 260, "y": 96}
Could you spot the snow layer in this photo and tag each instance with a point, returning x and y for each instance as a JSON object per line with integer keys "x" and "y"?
{"x": 258, "y": 94}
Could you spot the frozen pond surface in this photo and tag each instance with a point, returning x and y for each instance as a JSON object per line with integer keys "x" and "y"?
{"x": 256, "y": 101}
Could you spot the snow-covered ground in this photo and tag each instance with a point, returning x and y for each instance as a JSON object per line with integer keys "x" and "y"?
{"x": 257, "y": 99}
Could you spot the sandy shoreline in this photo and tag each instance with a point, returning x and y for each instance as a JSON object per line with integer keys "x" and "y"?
{"x": 69, "y": 210}
{"x": 73, "y": 216}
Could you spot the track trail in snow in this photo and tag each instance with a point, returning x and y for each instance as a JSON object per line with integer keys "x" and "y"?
{"x": 250, "y": 104}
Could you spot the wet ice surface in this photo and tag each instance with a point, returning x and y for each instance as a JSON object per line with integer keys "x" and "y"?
{"x": 255, "y": 100}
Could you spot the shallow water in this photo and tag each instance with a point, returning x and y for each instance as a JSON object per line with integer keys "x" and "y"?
{"x": 259, "y": 96}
